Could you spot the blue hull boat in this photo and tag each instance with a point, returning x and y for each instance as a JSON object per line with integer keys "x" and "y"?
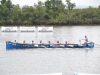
{"x": 12, "y": 45}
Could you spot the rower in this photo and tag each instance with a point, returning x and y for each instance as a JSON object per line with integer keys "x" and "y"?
{"x": 58, "y": 42}
{"x": 32, "y": 42}
{"x": 24, "y": 42}
{"x": 40, "y": 42}
{"x": 66, "y": 44}
{"x": 15, "y": 41}
{"x": 49, "y": 42}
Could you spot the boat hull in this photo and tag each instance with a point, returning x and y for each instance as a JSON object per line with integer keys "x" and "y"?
{"x": 11, "y": 45}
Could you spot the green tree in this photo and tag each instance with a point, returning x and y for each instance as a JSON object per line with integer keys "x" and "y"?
{"x": 4, "y": 11}
{"x": 39, "y": 12}
{"x": 53, "y": 4}
{"x": 9, "y": 4}
{"x": 70, "y": 5}
{"x": 3, "y": 2}
{"x": 48, "y": 12}
{"x": 15, "y": 15}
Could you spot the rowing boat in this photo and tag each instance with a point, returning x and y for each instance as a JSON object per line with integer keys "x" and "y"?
{"x": 12, "y": 45}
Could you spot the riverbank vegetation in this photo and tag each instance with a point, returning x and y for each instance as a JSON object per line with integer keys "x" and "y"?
{"x": 50, "y": 12}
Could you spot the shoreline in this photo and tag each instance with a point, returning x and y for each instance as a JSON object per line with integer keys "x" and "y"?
{"x": 55, "y": 25}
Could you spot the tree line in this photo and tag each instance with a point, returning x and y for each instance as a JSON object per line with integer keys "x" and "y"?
{"x": 50, "y": 12}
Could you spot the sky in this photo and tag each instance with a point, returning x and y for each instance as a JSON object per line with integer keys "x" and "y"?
{"x": 94, "y": 3}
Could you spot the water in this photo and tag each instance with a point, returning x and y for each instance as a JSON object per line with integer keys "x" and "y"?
{"x": 42, "y": 61}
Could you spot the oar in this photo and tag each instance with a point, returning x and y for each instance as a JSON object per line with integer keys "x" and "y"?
{"x": 97, "y": 44}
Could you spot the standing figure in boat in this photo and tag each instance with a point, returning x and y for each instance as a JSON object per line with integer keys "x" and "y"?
{"x": 86, "y": 40}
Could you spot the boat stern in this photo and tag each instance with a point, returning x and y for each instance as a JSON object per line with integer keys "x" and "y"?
{"x": 90, "y": 45}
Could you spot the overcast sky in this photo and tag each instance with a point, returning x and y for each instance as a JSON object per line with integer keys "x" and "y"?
{"x": 94, "y": 3}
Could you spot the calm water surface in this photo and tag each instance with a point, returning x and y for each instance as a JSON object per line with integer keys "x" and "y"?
{"x": 41, "y": 61}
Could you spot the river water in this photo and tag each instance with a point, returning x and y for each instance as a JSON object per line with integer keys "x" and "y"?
{"x": 43, "y": 61}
